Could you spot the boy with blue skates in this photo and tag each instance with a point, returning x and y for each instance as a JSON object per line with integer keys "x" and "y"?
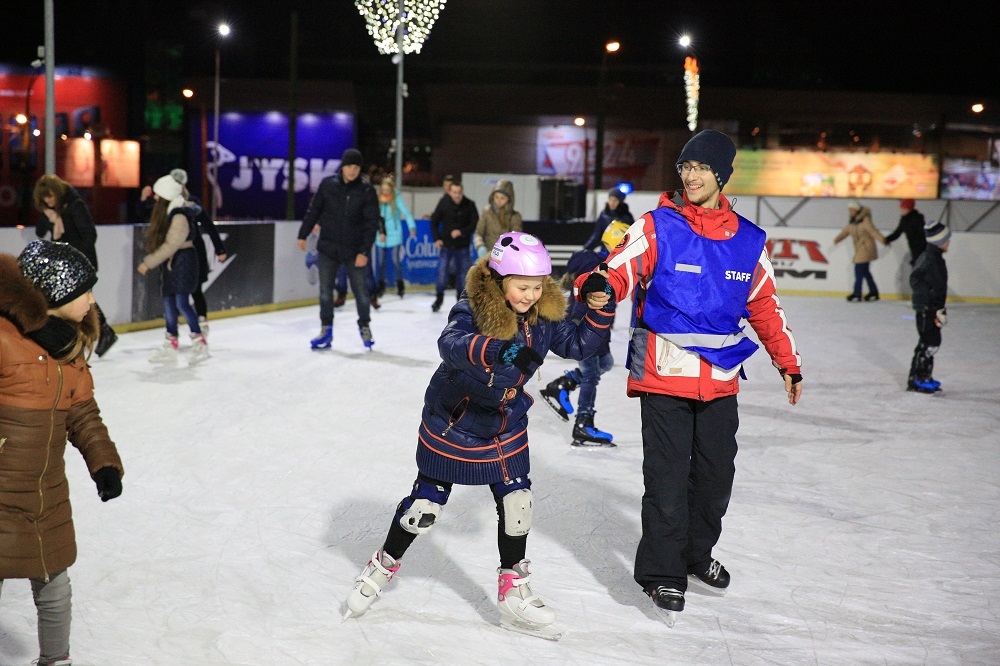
{"x": 588, "y": 374}
{"x": 929, "y": 282}
{"x": 474, "y": 426}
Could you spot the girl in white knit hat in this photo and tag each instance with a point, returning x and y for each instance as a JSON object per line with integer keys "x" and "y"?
{"x": 170, "y": 243}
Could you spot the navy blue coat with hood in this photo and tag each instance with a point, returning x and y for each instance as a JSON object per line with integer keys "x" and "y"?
{"x": 474, "y": 426}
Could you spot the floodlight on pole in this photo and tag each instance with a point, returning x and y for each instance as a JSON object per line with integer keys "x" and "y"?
{"x": 223, "y": 31}
{"x": 399, "y": 28}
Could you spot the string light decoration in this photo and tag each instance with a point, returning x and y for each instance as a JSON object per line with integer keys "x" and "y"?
{"x": 692, "y": 85}
{"x": 382, "y": 19}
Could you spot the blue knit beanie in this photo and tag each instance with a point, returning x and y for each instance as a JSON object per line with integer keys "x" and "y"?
{"x": 713, "y": 148}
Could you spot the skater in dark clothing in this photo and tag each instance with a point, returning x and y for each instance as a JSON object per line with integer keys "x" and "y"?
{"x": 66, "y": 217}
{"x": 615, "y": 210}
{"x": 346, "y": 209}
{"x": 474, "y": 427}
{"x": 911, "y": 223}
{"x": 588, "y": 374}
{"x": 453, "y": 223}
{"x": 698, "y": 270}
{"x": 929, "y": 282}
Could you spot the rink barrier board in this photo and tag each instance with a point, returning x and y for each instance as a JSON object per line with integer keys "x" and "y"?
{"x": 265, "y": 268}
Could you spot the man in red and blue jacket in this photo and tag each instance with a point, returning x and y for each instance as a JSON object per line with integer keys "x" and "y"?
{"x": 700, "y": 269}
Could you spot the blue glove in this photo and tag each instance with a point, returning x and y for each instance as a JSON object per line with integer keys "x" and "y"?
{"x": 481, "y": 251}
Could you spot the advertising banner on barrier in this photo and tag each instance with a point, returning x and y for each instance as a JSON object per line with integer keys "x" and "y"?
{"x": 253, "y": 160}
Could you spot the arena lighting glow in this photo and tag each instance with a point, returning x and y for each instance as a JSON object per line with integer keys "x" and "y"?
{"x": 625, "y": 188}
{"x": 692, "y": 85}
{"x": 382, "y": 18}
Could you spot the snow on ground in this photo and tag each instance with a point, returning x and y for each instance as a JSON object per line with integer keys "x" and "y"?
{"x": 861, "y": 528}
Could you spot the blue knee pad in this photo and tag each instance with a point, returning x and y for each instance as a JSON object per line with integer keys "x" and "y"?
{"x": 418, "y": 512}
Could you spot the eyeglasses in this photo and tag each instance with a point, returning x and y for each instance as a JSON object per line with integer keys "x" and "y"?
{"x": 700, "y": 169}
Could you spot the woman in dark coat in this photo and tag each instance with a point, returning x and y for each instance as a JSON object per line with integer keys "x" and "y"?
{"x": 66, "y": 217}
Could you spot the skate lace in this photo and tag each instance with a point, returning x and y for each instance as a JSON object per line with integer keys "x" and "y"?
{"x": 375, "y": 564}
{"x": 713, "y": 570}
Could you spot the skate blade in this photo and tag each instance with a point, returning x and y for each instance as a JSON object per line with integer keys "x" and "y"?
{"x": 547, "y": 631}
{"x": 557, "y": 410}
{"x": 347, "y": 614}
{"x": 586, "y": 444}
{"x": 696, "y": 584}
{"x": 671, "y": 618}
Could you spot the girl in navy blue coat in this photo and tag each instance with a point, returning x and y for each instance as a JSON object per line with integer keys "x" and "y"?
{"x": 474, "y": 427}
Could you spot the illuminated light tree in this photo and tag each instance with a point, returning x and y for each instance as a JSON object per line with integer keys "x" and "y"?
{"x": 692, "y": 86}
{"x": 382, "y": 19}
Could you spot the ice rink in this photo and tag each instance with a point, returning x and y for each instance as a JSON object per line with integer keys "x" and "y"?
{"x": 862, "y": 528}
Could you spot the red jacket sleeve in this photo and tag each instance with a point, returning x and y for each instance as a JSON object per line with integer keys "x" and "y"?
{"x": 768, "y": 319}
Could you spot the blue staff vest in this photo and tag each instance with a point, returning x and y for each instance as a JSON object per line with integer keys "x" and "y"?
{"x": 698, "y": 295}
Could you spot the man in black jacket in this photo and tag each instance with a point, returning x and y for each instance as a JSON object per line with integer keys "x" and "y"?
{"x": 453, "y": 222}
{"x": 345, "y": 209}
{"x": 911, "y": 223}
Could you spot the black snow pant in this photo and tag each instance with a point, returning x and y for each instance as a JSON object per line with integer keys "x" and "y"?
{"x": 922, "y": 365}
{"x": 688, "y": 465}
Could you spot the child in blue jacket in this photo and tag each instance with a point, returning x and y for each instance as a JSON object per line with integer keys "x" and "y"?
{"x": 588, "y": 375}
{"x": 474, "y": 426}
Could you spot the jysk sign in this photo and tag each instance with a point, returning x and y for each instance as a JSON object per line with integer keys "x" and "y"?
{"x": 253, "y": 160}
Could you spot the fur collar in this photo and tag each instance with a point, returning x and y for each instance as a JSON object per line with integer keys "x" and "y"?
{"x": 490, "y": 311}
{"x": 19, "y": 300}
{"x": 25, "y": 306}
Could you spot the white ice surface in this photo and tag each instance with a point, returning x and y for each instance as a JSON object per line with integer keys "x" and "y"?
{"x": 862, "y": 528}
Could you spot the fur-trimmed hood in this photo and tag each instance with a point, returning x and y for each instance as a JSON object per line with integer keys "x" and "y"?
{"x": 494, "y": 317}
{"x": 24, "y": 305}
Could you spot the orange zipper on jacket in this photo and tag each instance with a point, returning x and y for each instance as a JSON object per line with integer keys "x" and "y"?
{"x": 45, "y": 468}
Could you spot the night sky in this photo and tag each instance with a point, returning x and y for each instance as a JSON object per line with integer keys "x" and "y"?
{"x": 865, "y": 46}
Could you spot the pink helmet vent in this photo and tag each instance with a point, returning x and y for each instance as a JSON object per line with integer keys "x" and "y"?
{"x": 518, "y": 253}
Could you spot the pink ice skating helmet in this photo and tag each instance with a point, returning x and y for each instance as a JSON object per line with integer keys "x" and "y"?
{"x": 518, "y": 253}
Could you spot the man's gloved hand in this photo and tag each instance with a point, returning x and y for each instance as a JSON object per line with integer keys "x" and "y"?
{"x": 595, "y": 282}
{"x": 108, "y": 482}
{"x": 525, "y": 359}
{"x": 941, "y": 317}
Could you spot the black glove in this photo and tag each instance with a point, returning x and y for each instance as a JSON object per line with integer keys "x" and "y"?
{"x": 796, "y": 377}
{"x": 108, "y": 482}
{"x": 595, "y": 282}
{"x": 525, "y": 359}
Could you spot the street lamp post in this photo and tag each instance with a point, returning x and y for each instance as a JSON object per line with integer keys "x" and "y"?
{"x": 602, "y": 104}
{"x": 399, "y": 28}
{"x": 224, "y": 31}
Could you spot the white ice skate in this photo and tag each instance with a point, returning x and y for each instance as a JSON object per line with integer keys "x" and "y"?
{"x": 167, "y": 354}
{"x": 199, "y": 349}
{"x": 520, "y": 610}
{"x": 368, "y": 587}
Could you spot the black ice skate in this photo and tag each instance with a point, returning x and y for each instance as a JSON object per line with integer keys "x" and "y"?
{"x": 438, "y": 300}
{"x": 586, "y": 434}
{"x": 556, "y": 394}
{"x": 400, "y": 287}
{"x": 713, "y": 581}
{"x": 667, "y": 598}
